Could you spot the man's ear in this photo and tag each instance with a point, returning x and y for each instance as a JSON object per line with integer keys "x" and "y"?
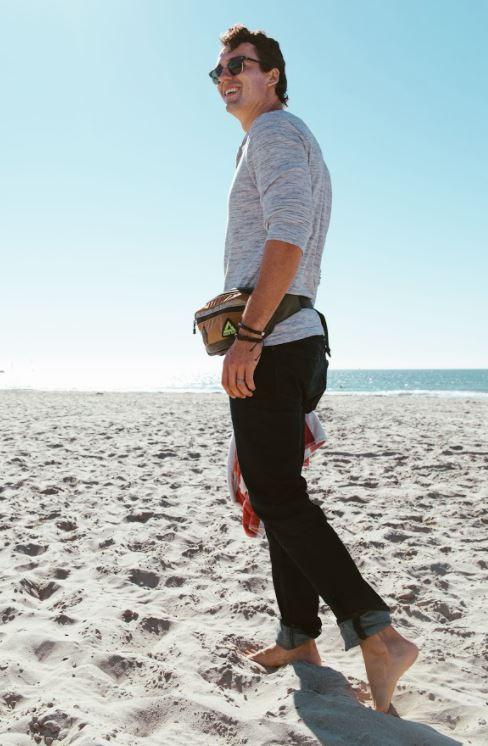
{"x": 274, "y": 77}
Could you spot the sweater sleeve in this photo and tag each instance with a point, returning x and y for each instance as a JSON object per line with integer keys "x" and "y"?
{"x": 278, "y": 163}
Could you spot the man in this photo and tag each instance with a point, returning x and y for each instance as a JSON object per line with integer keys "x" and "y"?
{"x": 279, "y": 210}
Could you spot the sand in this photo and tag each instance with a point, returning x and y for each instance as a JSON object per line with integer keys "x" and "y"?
{"x": 129, "y": 589}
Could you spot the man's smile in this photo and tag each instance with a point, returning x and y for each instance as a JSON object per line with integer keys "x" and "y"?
{"x": 231, "y": 92}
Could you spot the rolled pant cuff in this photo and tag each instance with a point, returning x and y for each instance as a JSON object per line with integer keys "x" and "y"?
{"x": 289, "y": 637}
{"x": 360, "y": 626}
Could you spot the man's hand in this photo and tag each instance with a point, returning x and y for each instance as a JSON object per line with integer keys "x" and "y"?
{"x": 239, "y": 365}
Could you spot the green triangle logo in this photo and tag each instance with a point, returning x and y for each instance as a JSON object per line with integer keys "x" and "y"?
{"x": 229, "y": 329}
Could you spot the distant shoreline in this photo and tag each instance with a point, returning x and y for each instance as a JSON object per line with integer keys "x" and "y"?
{"x": 420, "y": 393}
{"x": 445, "y": 382}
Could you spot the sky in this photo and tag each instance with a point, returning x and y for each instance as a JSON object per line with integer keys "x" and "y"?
{"x": 117, "y": 155}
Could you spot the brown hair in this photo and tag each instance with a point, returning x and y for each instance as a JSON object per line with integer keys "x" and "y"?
{"x": 269, "y": 53}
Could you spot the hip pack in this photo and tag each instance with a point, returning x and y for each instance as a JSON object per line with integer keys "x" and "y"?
{"x": 217, "y": 320}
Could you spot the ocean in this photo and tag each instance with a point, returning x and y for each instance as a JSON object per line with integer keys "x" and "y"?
{"x": 196, "y": 379}
{"x": 388, "y": 382}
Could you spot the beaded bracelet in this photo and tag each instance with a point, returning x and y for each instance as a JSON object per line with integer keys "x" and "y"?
{"x": 247, "y": 339}
{"x": 250, "y": 329}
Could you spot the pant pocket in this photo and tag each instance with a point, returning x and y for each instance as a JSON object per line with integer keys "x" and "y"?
{"x": 318, "y": 383}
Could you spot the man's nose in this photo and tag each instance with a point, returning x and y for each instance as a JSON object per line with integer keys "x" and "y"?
{"x": 225, "y": 74}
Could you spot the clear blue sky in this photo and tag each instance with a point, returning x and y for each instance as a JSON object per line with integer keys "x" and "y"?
{"x": 117, "y": 155}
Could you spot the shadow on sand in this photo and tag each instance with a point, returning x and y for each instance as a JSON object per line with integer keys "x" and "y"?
{"x": 328, "y": 706}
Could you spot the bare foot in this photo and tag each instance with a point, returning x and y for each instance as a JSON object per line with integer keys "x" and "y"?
{"x": 387, "y": 655}
{"x": 278, "y": 656}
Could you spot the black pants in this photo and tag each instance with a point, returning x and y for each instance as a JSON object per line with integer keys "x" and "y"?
{"x": 307, "y": 557}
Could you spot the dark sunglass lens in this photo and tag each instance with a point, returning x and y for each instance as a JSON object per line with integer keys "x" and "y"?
{"x": 214, "y": 74}
{"x": 235, "y": 65}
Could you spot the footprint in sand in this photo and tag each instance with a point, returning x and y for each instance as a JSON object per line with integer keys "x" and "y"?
{"x": 45, "y": 649}
{"x": 353, "y": 498}
{"x": 395, "y": 536}
{"x": 174, "y": 581}
{"x": 50, "y": 516}
{"x": 228, "y": 678}
{"x": 440, "y": 568}
{"x": 8, "y": 614}
{"x": 194, "y": 549}
{"x": 409, "y": 596}
{"x": 144, "y": 578}
{"x": 154, "y": 625}
{"x": 443, "y": 609}
{"x": 42, "y": 591}
{"x": 142, "y": 517}
{"x": 117, "y": 666}
{"x": 31, "y": 549}
{"x": 64, "y": 619}
{"x": 67, "y": 525}
{"x": 52, "y": 726}
{"x": 11, "y": 699}
{"x": 71, "y": 480}
{"x": 106, "y": 543}
{"x": 61, "y": 574}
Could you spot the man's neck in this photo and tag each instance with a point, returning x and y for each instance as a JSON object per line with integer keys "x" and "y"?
{"x": 246, "y": 124}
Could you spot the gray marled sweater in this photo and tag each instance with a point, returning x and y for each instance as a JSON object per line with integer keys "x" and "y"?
{"x": 280, "y": 190}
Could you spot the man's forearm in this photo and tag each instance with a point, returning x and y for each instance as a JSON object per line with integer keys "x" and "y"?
{"x": 278, "y": 268}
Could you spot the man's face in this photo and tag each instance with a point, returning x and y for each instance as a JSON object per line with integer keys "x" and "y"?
{"x": 251, "y": 84}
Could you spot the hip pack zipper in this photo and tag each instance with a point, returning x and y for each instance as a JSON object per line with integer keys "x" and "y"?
{"x": 210, "y": 314}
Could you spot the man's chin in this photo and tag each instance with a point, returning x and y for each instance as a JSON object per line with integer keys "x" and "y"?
{"x": 232, "y": 107}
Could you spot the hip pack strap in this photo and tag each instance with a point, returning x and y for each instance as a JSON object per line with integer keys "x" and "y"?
{"x": 326, "y": 332}
{"x": 289, "y": 305}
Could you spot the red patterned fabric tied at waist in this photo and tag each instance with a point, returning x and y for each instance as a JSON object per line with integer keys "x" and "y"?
{"x": 314, "y": 438}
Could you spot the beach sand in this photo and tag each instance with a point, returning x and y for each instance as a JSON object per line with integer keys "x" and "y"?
{"x": 129, "y": 589}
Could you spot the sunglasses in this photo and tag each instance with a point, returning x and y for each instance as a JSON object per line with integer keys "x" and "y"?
{"x": 235, "y": 66}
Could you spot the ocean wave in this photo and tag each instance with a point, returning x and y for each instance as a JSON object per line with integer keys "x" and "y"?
{"x": 335, "y": 392}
